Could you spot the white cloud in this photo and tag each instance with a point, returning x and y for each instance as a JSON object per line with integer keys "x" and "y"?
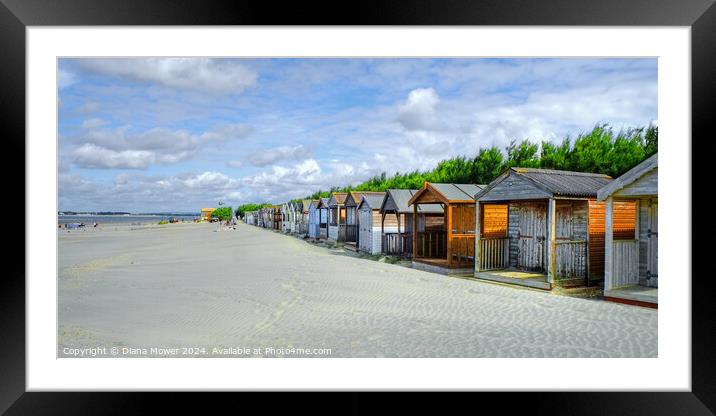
{"x": 222, "y": 76}
{"x": 92, "y": 156}
{"x": 418, "y": 112}
{"x": 93, "y": 123}
{"x": 235, "y": 163}
{"x": 65, "y": 78}
{"x": 208, "y": 180}
{"x": 138, "y": 192}
{"x": 89, "y": 107}
{"x": 107, "y": 148}
{"x": 270, "y": 156}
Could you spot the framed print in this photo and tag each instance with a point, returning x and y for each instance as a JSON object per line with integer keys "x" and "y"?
{"x": 404, "y": 198}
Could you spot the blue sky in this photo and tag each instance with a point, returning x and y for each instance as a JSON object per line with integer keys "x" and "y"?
{"x": 176, "y": 134}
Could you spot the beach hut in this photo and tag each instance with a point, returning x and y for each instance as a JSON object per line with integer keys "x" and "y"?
{"x": 337, "y": 216}
{"x": 323, "y": 214}
{"x": 249, "y": 218}
{"x": 369, "y": 222}
{"x": 267, "y": 217}
{"x": 396, "y": 221}
{"x": 351, "y": 204}
{"x": 286, "y": 217}
{"x": 540, "y": 228}
{"x": 261, "y": 219}
{"x": 206, "y": 213}
{"x": 295, "y": 209}
{"x": 631, "y": 241}
{"x": 314, "y": 219}
{"x": 304, "y": 217}
{"x": 351, "y": 225}
{"x": 277, "y": 218}
{"x": 445, "y": 244}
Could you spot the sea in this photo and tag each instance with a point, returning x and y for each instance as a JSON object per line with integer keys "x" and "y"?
{"x": 127, "y": 218}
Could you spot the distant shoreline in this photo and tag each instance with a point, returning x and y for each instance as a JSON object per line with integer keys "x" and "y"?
{"x": 132, "y": 218}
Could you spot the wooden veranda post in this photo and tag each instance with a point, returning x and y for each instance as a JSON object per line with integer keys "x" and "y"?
{"x": 550, "y": 246}
{"x": 608, "y": 244}
{"x": 448, "y": 220}
{"x": 477, "y": 236}
{"x": 415, "y": 231}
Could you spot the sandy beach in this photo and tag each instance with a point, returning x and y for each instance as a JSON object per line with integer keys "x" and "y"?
{"x": 186, "y": 290}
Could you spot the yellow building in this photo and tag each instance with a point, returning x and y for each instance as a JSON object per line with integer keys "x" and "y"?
{"x": 206, "y": 213}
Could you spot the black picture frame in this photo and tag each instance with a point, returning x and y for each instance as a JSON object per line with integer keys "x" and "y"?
{"x": 16, "y": 15}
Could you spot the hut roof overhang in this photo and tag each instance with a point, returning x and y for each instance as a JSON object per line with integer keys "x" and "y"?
{"x": 530, "y": 183}
{"x": 628, "y": 178}
{"x": 445, "y": 193}
{"x": 323, "y": 203}
{"x": 400, "y": 198}
{"x": 373, "y": 200}
{"x": 355, "y": 198}
{"x": 337, "y": 199}
{"x": 306, "y": 205}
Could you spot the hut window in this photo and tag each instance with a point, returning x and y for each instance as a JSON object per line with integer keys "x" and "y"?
{"x": 494, "y": 220}
{"x": 624, "y": 220}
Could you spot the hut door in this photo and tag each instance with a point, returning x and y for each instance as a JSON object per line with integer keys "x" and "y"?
{"x": 532, "y": 232}
{"x": 365, "y": 224}
{"x": 652, "y": 268}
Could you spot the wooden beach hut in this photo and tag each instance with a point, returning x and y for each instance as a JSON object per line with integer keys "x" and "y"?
{"x": 323, "y": 214}
{"x": 540, "y": 228}
{"x": 351, "y": 203}
{"x": 314, "y": 219}
{"x": 396, "y": 221}
{"x": 447, "y": 245}
{"x": 263, "y": 217}
{"x": 268, "y": 217}
{"x": 286, "y": 210}
{"x": 277, "y": 218}
{"x": 292, "y": 218}
{"x": 351, "y": 227}
{"x": 303, "y": 218}
{"x": 631, "y": 266}
{"x": 369, "y": 222}
{"x": 337, "y": 217}
{"x": 250, "y": 217}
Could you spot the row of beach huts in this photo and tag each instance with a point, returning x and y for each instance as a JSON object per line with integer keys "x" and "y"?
{"x": 531, "y": 227}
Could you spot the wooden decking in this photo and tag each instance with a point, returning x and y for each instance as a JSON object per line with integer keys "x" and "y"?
{"x": 516, "y": 277}
{"x": 440, "y": 265}
{"x": 636, "y": 294}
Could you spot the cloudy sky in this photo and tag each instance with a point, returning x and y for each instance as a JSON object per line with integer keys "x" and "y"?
{"x": 172, "y": 134}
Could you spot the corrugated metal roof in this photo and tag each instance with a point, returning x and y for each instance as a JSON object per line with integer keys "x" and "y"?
{"x": 565, "y": 183}
{"x": 457, "y": 191}
{"x": 373, "y": 199}
{"x": 401, "y": 198}
{"x": 358, "y": 196}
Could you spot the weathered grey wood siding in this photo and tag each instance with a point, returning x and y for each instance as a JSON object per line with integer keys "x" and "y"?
{"x": 648, "y": 259}
{"x": 513, "y": 187}
{"x": 643, "y": 239}
{"x": 625, "y": 270}
{"x": 572, "y": 223}
{"x": 527, "y": 231}
{"x": 647, "y": 185}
